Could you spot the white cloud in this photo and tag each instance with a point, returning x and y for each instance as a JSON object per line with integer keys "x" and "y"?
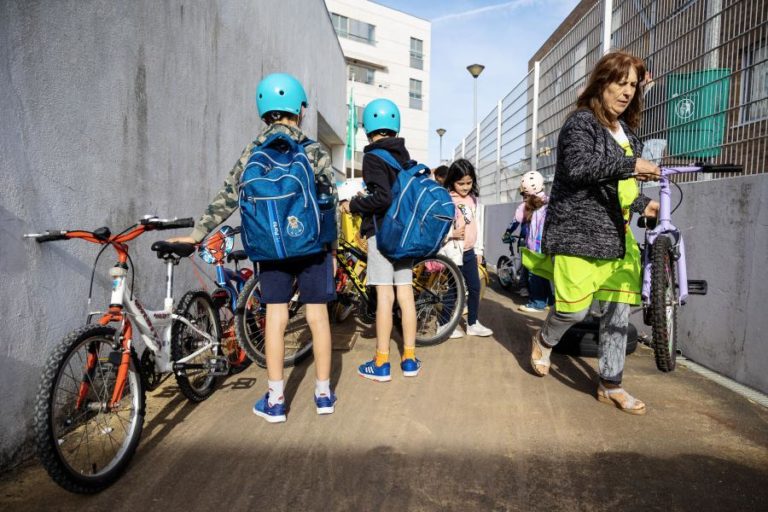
{"x": 483, "y": 10}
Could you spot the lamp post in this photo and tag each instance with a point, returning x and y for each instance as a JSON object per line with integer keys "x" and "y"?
{"x": 440, "y": 133}
{"x": 475, "y": 70}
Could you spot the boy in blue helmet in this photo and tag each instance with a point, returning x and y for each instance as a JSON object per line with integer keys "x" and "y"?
{"x": 381, "y": 121}
{"x": 281, "y": 101}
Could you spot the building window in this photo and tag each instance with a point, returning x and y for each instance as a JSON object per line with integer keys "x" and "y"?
{"x": 354, "y": 29}
{"x": 417, "y": 53}
{"x": 362, "y": 74}
{"x": 754, "y": 93}
{"x": 359, "y": 114}
{"x": 415, "y": 94}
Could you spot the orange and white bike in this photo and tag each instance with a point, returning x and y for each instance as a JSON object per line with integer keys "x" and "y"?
{"x": 89, "y": 410}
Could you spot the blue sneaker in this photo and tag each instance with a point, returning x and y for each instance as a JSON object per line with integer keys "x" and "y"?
{"x": 410, "y": 367}
{"x": 325, "y": 404}
{"x": 274, "y": 413}
{"x": 370, "y": 371}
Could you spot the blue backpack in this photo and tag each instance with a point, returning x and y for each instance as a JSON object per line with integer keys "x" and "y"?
{"x": 279, "y": 208}
{"x": 420, "y": 215}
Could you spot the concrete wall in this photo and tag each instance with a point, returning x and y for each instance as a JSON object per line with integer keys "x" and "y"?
{"x": 111, "y": 110}
{"x": 725, "y": 225}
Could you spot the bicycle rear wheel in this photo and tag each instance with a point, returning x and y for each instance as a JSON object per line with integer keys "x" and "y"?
{"x": 84, "y": 443}
{"x": 438, "y": 289}
{"x": 250, "y": 319}
{"x": 505, "y": 271}
{"x": 664, "y": 304}
{"x": 196, "y": 383}
{"x": 236, "y": 355}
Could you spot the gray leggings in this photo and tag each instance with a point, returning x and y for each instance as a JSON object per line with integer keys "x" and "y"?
{"x": 614, "y": 320}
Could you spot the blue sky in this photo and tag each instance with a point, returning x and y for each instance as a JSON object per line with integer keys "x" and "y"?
{"x": 502, "y": 35}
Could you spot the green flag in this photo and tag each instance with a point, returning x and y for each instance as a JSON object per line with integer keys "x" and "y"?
{"x": 351, "y": 126}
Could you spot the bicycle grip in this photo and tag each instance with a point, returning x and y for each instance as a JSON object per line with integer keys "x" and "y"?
{"x": 52, "y": 236}
{"x": 719, "y": 167}
{"x": 188, "y": 222}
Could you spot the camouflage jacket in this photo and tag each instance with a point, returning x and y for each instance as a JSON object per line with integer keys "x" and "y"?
{"x": 225, "y": 202}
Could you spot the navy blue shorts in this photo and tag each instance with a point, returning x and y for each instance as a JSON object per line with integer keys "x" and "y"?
{"x": 314, "y": 274}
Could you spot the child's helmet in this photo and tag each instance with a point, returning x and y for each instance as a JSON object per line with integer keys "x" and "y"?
{"x": 280, "y": 92}
{"x": 531, "y": 182}
{"x": 381, "y": 114}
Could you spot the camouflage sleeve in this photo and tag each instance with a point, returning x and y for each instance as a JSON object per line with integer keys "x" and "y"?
{"x": 224, "y": 203}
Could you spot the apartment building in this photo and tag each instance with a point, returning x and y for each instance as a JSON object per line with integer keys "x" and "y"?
{"x": 388, "y": 55}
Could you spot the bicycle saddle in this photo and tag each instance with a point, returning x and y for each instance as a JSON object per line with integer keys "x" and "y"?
{"x": 236, "y": 256}
{"x": 167, "y": 249}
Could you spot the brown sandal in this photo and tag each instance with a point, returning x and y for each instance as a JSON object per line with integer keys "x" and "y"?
{"x": 540, "y": 363}
{"x": 621, "y": 399}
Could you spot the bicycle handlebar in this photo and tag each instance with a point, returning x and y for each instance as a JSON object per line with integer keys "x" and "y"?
{"x": 148, "y": 223}
{"x": 48, "y": 236}
{"x": 719, "y": 167}
{"x": 161, "y": 224}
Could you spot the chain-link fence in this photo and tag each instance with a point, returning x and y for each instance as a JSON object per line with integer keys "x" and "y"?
{"x": 707, "y": 99}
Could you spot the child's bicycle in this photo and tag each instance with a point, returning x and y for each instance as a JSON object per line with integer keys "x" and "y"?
{"x": 217, "y": 247}
{"x": 665, "y": 279}
{"x": 89, "y": 410}
{"x": 509, "y": 268}
{"x": 438, "y": 289}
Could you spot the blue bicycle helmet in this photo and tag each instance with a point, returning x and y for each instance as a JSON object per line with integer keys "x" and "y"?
{"x": 280, "y": 92}
{"x": 381, "y": 114}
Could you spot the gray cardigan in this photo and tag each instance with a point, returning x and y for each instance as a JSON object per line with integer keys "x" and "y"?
{"x": 584, "y": 217}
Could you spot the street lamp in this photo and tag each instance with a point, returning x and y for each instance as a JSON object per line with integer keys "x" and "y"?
{"x": 440, "y": 133}
{"x": 475, "y": 70}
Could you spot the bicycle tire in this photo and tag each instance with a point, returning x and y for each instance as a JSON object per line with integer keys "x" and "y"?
{"x": 485, "y": 279}
{"x": 230, "y": 347}
{"x": 197, "y": 307}
{"x": 250, "y": 317}
{"x": 73, "y": 458}
{"x": 438, "y": 289}
{"x": 505, "y": 272}
{"x": 664, "y": 305}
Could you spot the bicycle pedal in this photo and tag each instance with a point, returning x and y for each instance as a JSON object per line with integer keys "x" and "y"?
{"x": 219, "y": 366}
{"x": 697, "y": 287}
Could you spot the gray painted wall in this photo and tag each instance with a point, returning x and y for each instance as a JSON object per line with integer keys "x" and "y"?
{"x": 725, "y": 225}
{"x": 111, "y": 110}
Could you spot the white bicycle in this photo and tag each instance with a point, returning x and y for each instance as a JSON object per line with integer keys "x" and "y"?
{"x": 89, "y": 410}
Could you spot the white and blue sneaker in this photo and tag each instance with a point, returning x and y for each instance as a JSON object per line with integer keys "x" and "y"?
{"x": 274, "y": 413}
{"x": 325, "y": 404}
{"x": 410, "y": 367}
{"x": 370, "y": 371}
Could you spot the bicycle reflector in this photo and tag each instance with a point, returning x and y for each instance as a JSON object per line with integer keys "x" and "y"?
{"x": 216, "y": 246}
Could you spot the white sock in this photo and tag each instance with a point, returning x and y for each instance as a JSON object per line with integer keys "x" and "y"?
{"x": 276, "y": 392}
{"x": 323, "y": 387}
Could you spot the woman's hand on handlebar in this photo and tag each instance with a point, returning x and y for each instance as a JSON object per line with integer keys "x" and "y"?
{"x": 646, "y": 170}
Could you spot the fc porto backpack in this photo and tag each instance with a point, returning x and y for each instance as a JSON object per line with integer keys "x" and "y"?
{"x": 279, "y": 209}
{"x": 420, "y": 215}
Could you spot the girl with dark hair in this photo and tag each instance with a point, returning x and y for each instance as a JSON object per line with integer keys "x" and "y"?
{"x": 461, "y": 181}
{"x": 589, "y": 250}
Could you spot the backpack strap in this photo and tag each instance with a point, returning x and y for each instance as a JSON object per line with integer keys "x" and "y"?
{"x": 387, "y": 157}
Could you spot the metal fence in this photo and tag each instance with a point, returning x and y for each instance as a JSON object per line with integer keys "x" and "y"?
{"x": 707, "y": 99}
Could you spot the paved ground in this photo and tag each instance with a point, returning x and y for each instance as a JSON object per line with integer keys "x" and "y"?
{"x": 475, "y": 431}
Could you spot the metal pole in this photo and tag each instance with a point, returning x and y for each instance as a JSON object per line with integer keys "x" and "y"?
{"x": 498, "y": 152}
{"x": 607, "y": 19}
{"x": 475, "y": 102}
{"x": 441, "y": 149}
{"x": 535, "y": 117}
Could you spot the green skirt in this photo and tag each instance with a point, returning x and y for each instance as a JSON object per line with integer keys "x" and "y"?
{"x": 580, "y": 280}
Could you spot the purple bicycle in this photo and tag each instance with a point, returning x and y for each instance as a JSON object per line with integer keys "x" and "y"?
{"x": 666, "y": 286}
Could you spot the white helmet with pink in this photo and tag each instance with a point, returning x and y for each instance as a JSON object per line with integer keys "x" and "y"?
{"x": 531, "y": 183}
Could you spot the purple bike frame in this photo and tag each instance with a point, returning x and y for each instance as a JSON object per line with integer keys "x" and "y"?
{"x": 664, "y": 227}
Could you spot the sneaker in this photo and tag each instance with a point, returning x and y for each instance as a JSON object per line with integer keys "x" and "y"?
{"x": 523, "y": 292}
{"x": 370, "y": 371}
{"x": 478, "y": 329}
{"x": 410, "y": 367}
{"x": 274, "y": 413}
{"x": 457, "y": 333}
{"x": 529, "y": 309}
{"x": 325, "y": 404}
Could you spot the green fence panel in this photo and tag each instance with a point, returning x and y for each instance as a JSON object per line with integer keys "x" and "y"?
{"x": 696, "y": 112}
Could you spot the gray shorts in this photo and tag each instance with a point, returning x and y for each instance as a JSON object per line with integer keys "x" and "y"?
{"x": 382, "y": 271}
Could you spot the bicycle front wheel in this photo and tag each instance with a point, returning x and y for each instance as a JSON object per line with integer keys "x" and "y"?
{"x": 83, "y": 439}
{"x": 250, "y": 320}
{"x": 505, "y": 271}
{"x": 438, "y": 289}
{"x": 196, "y": 382}
{"x": 236, "y": 356}
{"x": 664, "y": 304}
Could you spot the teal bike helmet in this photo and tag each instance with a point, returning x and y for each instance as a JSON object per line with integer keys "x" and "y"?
{"x": 381, "y": 114}
{"x": 280, "y": 92}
